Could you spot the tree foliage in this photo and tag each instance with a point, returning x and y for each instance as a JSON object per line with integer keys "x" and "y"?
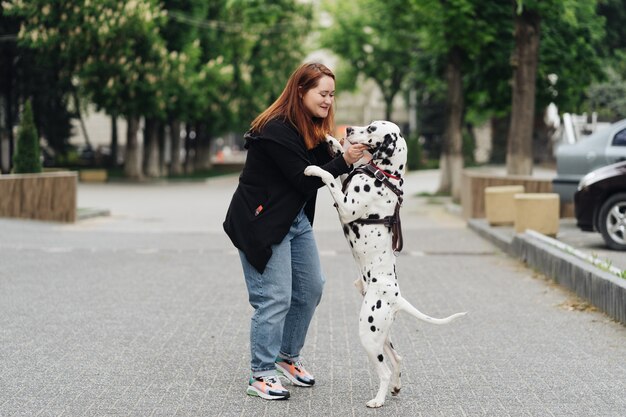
{"x": 378, "y": 38}
{"x": 27, "y": 157}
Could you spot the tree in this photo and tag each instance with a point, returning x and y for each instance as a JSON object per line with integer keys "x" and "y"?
{"x": 27, "y": 158}
{"x": 26, "y": 73}
{"x": 525, "y": 57}
{"x": 112, "y": 48}
{"x": 571, "y": 34}
{"x": 455, "y": 31}
{"x": 379, "y": 40}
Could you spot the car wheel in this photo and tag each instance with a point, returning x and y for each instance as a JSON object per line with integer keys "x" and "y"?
{"x": 612, "y": 221}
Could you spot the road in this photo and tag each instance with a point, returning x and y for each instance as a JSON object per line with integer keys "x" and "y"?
{"x": 145, "y": 313}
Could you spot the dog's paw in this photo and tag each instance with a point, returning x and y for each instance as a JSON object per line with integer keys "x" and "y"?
{"x": 375, "y": 403}
{"x": 313, "y": 171}
{"x": 335, "y": 145}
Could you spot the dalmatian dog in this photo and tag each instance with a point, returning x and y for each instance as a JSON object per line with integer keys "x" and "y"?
{"x": 366, "y": 198}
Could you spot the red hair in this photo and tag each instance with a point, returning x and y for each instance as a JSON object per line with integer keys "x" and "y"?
{"x": 289, "y": 106}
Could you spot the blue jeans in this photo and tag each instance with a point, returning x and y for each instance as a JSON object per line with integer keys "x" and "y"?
{"x": 284, "y": 297}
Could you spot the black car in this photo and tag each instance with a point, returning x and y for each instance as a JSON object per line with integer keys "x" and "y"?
{"x": 600, "y": 204}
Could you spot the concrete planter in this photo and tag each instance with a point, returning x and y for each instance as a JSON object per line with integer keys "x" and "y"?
{"x": 48, "y": 196}
{"x": 474, "y": 184}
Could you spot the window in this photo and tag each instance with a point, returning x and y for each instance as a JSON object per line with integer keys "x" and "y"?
{"x": 620, "y": 138}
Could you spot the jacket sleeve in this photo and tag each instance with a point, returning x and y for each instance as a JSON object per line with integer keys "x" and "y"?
{"x": 292, "y": 164}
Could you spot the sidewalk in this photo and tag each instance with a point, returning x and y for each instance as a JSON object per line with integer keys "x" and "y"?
{"x": 145, "y": 313}
{"x": 576, "y": 260}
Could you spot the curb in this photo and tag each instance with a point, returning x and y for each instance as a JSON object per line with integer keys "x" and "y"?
{"x": 88, "y": 213}
{"x": 602, "y": 289}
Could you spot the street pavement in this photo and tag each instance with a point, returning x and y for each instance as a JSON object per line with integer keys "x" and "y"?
{"x": 145, "y": 313}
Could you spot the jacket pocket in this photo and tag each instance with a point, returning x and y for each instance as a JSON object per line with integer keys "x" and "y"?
{"x": 255, "y": 200}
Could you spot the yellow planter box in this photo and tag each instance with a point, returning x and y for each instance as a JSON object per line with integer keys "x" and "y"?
{"x": 537, "y": 211}
{"x": 92, "y": 175}
{"x": 499, "y": 204}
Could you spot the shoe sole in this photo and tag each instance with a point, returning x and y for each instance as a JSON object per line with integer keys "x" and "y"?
{"x": 292, "y": 378}
{"x": 253, "y": 392}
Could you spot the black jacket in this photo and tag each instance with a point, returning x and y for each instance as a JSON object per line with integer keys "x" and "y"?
{"x": 273, "y": 188}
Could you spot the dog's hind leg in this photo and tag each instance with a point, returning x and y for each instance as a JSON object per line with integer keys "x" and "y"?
{"x": 396, "y": 366}
{"x": 373, "y": 331}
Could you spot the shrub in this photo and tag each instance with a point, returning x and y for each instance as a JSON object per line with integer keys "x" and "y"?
{"x": 27, "y": 158}
{"x": 414, "y": 153}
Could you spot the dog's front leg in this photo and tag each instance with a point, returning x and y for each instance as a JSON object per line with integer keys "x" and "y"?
{"x": 349, "y": 210}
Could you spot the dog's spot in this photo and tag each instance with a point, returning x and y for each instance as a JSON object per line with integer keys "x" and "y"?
{"x": 380, "y": 358}
{"x": 355, "y": 230}
{"x": 357, "y": 188}
{"x": 373, "y": 328}
{"x": 366, "y": 188}
{"x": 396, "y": 294}
{"x": 401, "y": 167}
{"x": 369, "y": 274}
{"x": 370, "y": 319}
{"x": 373, "y": 308}
{"x": 332, "y": 185}
{"x": 374, "y": 280}
{"x": 371, "y": 129}
{"x": 385, "y": 162}
{"x": 379, "y": 302}
{"x": 346, "y": 230}
{"x": 378, "y": 183}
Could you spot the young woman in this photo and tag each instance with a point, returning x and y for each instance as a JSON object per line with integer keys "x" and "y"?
{"x": 269, "y": 220}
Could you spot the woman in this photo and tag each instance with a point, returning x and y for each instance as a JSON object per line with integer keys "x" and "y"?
{"x": 269, "y": 220}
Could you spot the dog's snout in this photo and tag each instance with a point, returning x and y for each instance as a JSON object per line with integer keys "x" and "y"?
{"x": 349, "y": 131}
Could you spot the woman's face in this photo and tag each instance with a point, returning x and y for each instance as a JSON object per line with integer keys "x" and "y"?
{"x": 319, "y": 100}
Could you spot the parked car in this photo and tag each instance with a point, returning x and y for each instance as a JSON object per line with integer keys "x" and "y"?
{"x": 600, "y": 204}
{"x": 603, "y": 147}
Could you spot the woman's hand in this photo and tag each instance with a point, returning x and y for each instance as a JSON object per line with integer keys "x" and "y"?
{"x": 354, "y": 153}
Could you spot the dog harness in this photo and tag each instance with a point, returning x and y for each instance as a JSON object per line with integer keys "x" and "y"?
{"x": 393, "y": 221}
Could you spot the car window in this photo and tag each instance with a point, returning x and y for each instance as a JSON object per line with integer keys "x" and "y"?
{"x": 620, "y": 138}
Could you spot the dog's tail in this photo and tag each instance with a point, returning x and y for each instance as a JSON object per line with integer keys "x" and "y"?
{"x": 404, "y": 305}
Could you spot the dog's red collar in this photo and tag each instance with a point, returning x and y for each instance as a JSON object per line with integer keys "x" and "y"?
{"x": 388, "y": 175}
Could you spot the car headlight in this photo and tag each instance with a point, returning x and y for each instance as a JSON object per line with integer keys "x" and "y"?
{"x": 587, "y": 180}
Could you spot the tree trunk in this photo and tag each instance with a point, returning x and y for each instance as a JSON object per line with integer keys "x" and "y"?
{"x": 451, "y": 161}
{"x": 203, "y": 155}
{"x": 114, "y": 141}
{"x": 161, "y": 142}
{"x": 519, "y": 158}
{"x": 499, "y": 132}
{"x": 151, "y": 148}
{"x": 175, "y": 162}
{"x": 388, "y": 107}
{"x": 132, "y": 164}
{"x": 79, "y": 113}
{"x": 5, "y": 144}
{"x": 7, "y": 140}
{"x": 189, "y": 149}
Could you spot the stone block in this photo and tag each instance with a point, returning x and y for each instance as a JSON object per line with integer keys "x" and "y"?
{"x": 499, "y": 204}
{"x": 537, "y": 211}
{"x": 92, "y": 175}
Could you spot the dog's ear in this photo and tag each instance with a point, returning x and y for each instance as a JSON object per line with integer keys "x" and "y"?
{"x": 387, "y": 147}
